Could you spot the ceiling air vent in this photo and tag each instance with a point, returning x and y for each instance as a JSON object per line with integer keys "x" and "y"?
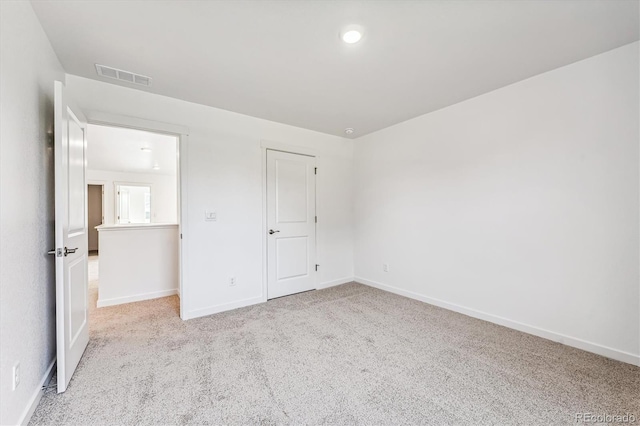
{"x": 122, "y": 75}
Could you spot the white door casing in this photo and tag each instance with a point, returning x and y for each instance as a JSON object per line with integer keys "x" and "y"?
{"x": 291, "y": 213}
{"x": 71, "y": 236}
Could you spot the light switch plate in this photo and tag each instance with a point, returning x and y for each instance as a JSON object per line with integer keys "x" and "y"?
{"x": 210, "y": 215}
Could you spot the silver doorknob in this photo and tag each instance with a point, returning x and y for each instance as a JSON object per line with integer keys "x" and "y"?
{"x": 68, "y": 250}
{"x": 271, "y": 231}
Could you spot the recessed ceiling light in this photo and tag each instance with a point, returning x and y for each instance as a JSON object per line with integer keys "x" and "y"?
{"x": 352, "y": 36}
{"x": 145, "y": 149}
{"x": 349, "y": 131}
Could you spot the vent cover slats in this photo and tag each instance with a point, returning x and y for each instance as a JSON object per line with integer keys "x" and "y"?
{"x": 122, "y": 75}
{"x": 126, "y": 76}
{"x": 140, "y": 79}
{"x": 108, "y": 72}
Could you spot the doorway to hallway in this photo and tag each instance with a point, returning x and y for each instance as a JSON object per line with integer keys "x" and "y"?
{"x": 133, "y": 214}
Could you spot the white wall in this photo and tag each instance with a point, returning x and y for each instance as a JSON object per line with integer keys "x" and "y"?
{"x": 224, "y": 173}
{"x": 28, "y": 67}
{"x": 137, "y": 262}
{"x": 519, "y": 206}
{"x": 164, "y": 193}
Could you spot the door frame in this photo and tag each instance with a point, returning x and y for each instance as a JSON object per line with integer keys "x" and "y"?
{"x": 182, "y": 135}
{"x": 266, "y": 145}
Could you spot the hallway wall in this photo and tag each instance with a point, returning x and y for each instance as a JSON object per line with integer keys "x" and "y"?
{"x": 164, "y": 190}
{"x": 28, "y": 68}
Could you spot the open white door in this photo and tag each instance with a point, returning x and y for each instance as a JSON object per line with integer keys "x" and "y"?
{"x": 291, "y": 212}
{"x": 72, "y": 304}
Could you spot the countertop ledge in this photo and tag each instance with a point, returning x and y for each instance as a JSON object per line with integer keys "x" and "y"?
{"x": 136, "y": 226}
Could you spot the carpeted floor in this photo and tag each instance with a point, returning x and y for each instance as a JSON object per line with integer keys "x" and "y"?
{"x": 346, "y": 355}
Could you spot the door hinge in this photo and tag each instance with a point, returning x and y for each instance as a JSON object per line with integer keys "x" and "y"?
{"x": 316, "y": 219}
{"x": 317, "y": 267}
{"x": 180, "y": 236}
{"x": 315, "y": 170}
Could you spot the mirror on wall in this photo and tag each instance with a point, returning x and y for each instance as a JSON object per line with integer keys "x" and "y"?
{"x": 133, "y": 203}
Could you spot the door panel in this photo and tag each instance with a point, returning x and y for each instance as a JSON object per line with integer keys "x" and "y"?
{"x": 293, "y": 257}
{"x": 76, "y": 164}
{"x": 77, "y": 296}
{"x": 72, "y": 307}
{"x": 291, "y": 204}
{"x": 291, "y": 191}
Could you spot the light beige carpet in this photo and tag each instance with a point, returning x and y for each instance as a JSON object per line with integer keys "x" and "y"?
{"x": 346, "y": 355}
{"x": 94, "y": 271}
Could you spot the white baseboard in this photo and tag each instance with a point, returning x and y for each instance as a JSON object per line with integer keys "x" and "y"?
{"x": 333, "y": 283}
{"x": 210, "y": 310}
{"x": 595, "y": 348}
{"x": 37, "y": 395}
{"x": 197, "y": 313}
{"x": 135, "y": 298}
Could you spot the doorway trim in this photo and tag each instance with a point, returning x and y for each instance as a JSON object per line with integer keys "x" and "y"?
{"x": 182, "y": 135}
{"x": 266, "y": 145}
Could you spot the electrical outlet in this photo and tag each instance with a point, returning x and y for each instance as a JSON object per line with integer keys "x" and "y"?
{"x": 16, "y": 376}
{"x": 232, "y": 281}
{"x": 385, "y": 267}
{"x": 210, "y": 215}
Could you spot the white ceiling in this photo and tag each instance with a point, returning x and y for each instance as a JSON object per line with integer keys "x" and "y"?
{"x": 283, "y": 60}
{"x": 119, "y": 150}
